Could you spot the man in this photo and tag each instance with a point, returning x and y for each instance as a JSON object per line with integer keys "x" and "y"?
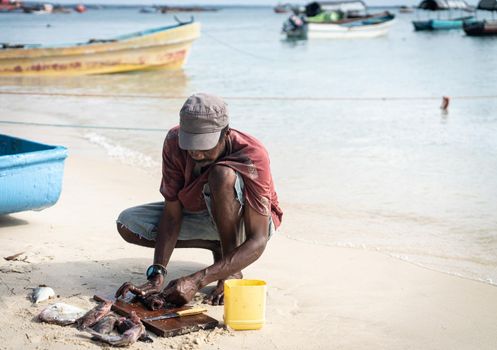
{"x": 219, "y": 195}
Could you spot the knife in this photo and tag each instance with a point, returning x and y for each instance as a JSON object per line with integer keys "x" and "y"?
{"x": 189, "y": 312}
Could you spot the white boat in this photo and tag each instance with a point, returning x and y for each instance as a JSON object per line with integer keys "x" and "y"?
{"x": 337, "y": 20}
{"x": 363, "y": 29}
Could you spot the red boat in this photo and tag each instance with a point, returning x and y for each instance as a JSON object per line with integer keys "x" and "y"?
{"x": 80, "y": 8}
{"x": 9, "y": 5}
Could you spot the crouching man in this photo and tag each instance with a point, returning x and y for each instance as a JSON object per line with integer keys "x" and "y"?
{"x": 219, "y": 195}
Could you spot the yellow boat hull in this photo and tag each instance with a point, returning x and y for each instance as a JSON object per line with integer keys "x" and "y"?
{"x": 161, "y": 49}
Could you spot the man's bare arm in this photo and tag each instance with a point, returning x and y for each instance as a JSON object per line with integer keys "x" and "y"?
{"x": 182, "y": 290}
{"x": 167, "y": 235}
{"x": 256, "y": 230}
{"x": 168, "y": 232}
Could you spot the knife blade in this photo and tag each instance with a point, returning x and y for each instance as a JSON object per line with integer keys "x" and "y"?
{"x": 188, "y": 312}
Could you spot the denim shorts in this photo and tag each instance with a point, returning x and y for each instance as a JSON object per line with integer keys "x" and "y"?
{"x": 143, "y": 220}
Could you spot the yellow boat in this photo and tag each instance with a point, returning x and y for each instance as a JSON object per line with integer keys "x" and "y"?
{"x": 160, "y": 48}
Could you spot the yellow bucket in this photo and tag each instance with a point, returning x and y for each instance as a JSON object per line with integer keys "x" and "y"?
{"x": 244, "y": 304}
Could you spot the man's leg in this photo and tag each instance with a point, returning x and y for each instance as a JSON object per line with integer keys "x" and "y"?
{"x": 227, "y": 213}
{"x": 138, "y": 225}
{"x": 130, "y": 237}
{"x": 133, "y": 238}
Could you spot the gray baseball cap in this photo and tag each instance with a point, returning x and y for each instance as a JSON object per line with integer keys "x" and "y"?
{"x": 202, "y": 118}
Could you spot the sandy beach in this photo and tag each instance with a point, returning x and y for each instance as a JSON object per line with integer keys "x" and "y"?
{"x": 319, "y": 297}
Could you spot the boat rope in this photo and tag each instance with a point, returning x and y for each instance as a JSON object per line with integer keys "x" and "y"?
{"x": 247, "y": 53}
{"x": 255, "y": 98}
{"x": 120, "y": 128}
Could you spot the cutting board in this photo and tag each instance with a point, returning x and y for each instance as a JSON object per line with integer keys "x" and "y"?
{"x": 163, "y": 328}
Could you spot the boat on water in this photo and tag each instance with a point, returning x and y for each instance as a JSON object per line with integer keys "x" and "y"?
{"x": 483, "y": 27}
{"x": 443, "y": 23}
{"x": 39, "y": 9}
{"x": 282, "y": 8}
{"x": 80, "y": 8}
{"x": 148, "y": 9}
{"x": 159, "y": 48}
{"x": 9, "y": 5}
{"x": 405, "y": 9}
{"x": 338, "y": 20}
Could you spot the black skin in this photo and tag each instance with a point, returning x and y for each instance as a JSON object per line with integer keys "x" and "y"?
{"x": 229, "y": 257}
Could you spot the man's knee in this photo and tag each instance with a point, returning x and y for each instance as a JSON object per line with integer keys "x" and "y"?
{"x": 221, "y": 177}
{"x": 126, "y": 234}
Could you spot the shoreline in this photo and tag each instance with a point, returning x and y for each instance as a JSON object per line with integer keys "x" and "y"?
{"x": 395, "y": 256}
{"x": 318, "y": 296}
{"x": 108, "y": 148}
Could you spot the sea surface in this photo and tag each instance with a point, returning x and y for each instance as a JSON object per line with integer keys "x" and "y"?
{"x": 361, "y": 153}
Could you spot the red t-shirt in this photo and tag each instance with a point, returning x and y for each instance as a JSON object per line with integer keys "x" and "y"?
{"x": 244, "y": 154}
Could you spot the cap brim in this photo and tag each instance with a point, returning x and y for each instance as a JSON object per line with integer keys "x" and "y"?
{"x": 198, "y": 142}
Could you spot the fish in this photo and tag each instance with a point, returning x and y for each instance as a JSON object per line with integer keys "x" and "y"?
{"x": 94, "y": 315}
{"x": 123, "y": 324}
{"x": 105, "y": 325}
{"x": 145, "y": 338}
{"x": 127, "y": 338}
{"x": 41, "y": 294}
{"x": 61, "y": 314}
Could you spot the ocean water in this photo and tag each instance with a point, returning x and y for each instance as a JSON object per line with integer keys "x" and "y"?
{"x": 362, "y": 155}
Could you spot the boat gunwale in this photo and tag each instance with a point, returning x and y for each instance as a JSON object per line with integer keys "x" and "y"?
{"x": 332, "y": 27}
{"x": 46, "y": 153}
{"x": 100, "y": 46}
{"x": 115, "y": 50}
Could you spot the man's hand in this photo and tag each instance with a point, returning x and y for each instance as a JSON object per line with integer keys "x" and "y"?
{"x": 154, "y": 301}
{"x": 182, "y": 290}
{"x": 150, "y": 287}
{"x": 216, "y": 297}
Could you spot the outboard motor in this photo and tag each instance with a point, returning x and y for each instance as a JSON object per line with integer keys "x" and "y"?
{"x": 313, "y": 9}
{"x": 295, "y": 26}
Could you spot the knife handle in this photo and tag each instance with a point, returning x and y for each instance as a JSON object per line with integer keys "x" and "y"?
{"x": 192, "y": 311}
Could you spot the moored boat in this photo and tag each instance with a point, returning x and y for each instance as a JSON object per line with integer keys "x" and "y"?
{"x": 160, "y": 48}
{"x": 148, "y": 9}
{"x": 483, "y": 27}
{"x": 405, "y": 9}
{"x": 282, "y": 8}
{"x": 337, "y": 20}
{"x": 80, "y": 8}
{"x": 443, "y": 23}
{"x": 39, "y": 9}
{"x": 367, "y": 27}
{"x": 9, "y": 5}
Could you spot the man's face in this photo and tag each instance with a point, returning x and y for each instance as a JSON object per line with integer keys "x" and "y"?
{"x": 205, "y": 158}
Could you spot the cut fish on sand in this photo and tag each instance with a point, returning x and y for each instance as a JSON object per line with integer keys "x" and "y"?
{"x": 105, "y": 325}
{"x": 129, "y": 337}
{"x": 94, "y": 315}
{"x": 124, "y": 324}
{"x": 61, "y": 314}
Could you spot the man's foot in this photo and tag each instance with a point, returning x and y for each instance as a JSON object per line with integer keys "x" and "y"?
{"x": 216, "y": 297}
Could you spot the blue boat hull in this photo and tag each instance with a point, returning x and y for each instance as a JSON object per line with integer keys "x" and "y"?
{"x": 30, "y": 174}
{"x": 442, "y": 24}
